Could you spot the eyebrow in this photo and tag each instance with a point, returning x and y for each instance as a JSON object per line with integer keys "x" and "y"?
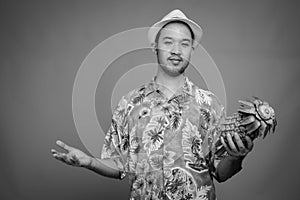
{"x": 167, "y": 37}
{"x": 187, "y": 40}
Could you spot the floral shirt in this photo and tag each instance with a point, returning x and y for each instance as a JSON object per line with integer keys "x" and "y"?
{"x": 166, "y": 145}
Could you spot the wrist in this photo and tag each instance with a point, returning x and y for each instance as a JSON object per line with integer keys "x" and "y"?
{"x": 89, "y": 165}
{"x": 236, "y": 157}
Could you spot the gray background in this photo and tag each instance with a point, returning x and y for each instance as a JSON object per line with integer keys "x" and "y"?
{"x": 255, "y": 45}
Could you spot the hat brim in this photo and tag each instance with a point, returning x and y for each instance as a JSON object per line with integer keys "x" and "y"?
{"x": 155, "y": 28}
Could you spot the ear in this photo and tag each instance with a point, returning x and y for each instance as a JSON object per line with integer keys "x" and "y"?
{"x": 154, "y": 47}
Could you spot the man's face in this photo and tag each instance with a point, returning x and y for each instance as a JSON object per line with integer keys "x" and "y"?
{"x": 174, "y": 48}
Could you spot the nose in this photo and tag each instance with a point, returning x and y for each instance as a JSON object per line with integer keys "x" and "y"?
{"x": 176, "y": 49}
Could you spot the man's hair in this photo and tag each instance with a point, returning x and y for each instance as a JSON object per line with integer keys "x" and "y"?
{"x": 176, "y": 21}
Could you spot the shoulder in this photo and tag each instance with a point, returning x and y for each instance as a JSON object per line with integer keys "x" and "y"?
{"x": 127, "y": 100}
{"x": 140, "y": 90}
{"x": 208, "y": 99}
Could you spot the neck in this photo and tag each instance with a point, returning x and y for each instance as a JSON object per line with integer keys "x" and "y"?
{"x": 171, "y": 82}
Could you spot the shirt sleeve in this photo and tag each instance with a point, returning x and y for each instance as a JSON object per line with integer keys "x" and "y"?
{"x": 116, "y": 140}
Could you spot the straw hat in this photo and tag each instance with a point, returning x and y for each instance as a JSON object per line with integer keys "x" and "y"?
{"x": 175, "y": 15}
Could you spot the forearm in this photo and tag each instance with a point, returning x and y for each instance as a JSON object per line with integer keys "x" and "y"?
{"x": 228, "y": 167}
{"x": 101, "y": 168}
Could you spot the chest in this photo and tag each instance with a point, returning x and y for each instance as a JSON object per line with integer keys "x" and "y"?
{"x": 169, "y": 122}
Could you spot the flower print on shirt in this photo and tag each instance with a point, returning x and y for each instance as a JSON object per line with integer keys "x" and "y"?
{"x": 152, "y": 139}
{"x": 164, "y": 143}
{"x": 139, "y": 186}
{"x": 144, "y": 112}
{"x": 181, "y": 184}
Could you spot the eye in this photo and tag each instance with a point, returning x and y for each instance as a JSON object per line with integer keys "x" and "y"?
{"x": 185, "y": 44}
{"x": 167, "y": 42}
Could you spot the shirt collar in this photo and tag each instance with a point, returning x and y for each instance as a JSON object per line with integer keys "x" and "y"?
{"x": 186, "y": 88}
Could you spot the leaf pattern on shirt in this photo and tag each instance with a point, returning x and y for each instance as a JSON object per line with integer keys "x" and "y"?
{"x": 167, "y": 109}
{"x": 202, "y": 192}
{"x": 202, "y": 96}
{"x": 205, "y": 114}
{"x": 140, "y": 96}
{"x": 153, "y": 134}
{"x": 152, "y": 139}
{"x": 163, "y": 143}
{"x": 191, "y": 145}
{"x": 162, "y": 121}
{"x": 176, "y": 120}
{"x": 191, "y": 140}
{"x": 134, "y": 148}
{"x": 156, "y": 161}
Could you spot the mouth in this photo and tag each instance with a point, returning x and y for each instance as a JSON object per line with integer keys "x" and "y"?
{"x": 175, "y": 60}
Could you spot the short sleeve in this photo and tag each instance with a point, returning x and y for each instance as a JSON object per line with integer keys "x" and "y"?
{"x": 116, "y": 140}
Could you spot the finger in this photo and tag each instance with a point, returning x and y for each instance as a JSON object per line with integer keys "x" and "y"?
{"x": 249, "y": 143}
{"x": 262, "y": 129}
{"x": 239, "y": 143}
{"x": 247, "y": 120}
{"x": 63, "y": 145}
{"x": 253, "y": 126}
{"x": 53, "y": 151}
{"x": 65, "y": 158}
{"x": 60, "y": 156}
{"x": 231, "y": 144}
{"x": 224, "y": 144}
{"x": 230, "y": 152}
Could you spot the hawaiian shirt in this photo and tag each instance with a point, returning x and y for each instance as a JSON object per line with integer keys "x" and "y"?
{"x": 166, "y": 145}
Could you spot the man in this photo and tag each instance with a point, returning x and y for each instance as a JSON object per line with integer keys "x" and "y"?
{"x": 164, "y": 133}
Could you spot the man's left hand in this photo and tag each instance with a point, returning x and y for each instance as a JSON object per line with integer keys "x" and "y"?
{"x": 235, "y": 146}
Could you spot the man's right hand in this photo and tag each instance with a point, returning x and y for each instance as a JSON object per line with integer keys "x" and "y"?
{"x": 73, "y": 157}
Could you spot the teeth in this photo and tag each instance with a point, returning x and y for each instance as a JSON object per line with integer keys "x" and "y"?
{"x": 176, "y": 62}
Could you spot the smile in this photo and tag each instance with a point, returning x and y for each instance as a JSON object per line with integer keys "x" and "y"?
{"x": 175, "y": 59}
